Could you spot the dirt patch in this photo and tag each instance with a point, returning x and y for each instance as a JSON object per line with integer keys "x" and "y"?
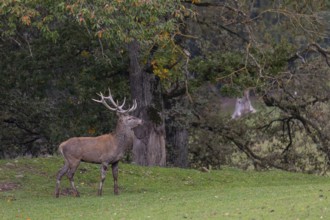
{"x": 67, "y": 192}
{"x": 8, "y": 186}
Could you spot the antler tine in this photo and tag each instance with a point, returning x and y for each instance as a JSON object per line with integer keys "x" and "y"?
{"x": 116, "y": 104}
{"x": 133, "y": 107}
{"x": 129, "y": 108}
{"x": 135, "y": 104}
{"x": 104, "y": 102}
{"x": 122, "y": 105}
{"x": 118, "y": 108}
{"x": 111, "y": 99}
{"x": 95, "y": 100}
{"x": 99, "y": 101}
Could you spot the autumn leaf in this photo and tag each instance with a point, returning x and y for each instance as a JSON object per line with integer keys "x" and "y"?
{"x": 91, "y": 131}
{"x": 26, "y": 20}
{"x": 84, "y": 54}
{"x": 162, "y": 73}
{"x": 81, "y": 19}
{"x": 92, "y": 15}
{"x": 164, "y": 36}
{"x": 70, "y": 8}
{"x": 154, "y": 63}
{"x": 99, "y": 33}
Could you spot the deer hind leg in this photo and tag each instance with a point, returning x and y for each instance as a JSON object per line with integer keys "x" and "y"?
{"x": 104, "y": 168}
{"x": 59, "y": 176}
{"x": 115, "y": 177}
{"x": 70, "y": 174}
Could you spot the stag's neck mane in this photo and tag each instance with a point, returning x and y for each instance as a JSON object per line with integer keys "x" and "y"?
{"x": 123, "y": 135}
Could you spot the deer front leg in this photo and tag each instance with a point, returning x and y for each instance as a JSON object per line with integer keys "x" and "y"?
{"x": 115, "y": 177}
{"x": 104, "y": 168}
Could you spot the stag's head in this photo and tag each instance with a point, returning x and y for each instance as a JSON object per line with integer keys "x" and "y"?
{"x": 125, "y": 119}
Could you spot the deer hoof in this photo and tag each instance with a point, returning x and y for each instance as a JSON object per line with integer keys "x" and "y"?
{"x": 76, "y": 194}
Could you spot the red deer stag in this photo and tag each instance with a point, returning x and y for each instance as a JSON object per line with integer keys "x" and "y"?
{"x": 105, "y": 149}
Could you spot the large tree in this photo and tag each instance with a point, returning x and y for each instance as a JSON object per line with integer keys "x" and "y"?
{"x": 142, "y": 31}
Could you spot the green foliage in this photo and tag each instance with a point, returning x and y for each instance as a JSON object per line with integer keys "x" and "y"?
{"x": 47, "y": 88}
{"x": 122, "y": 21}
{"x": 236, "y": 72}
{"x": 30, "y": 15}
{"x": 219, "y": 66}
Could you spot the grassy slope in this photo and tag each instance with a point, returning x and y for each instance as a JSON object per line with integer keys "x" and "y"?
{"x": 162, "y": 193}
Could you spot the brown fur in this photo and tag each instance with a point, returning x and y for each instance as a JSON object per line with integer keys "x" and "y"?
{"x": 105, "y": 149}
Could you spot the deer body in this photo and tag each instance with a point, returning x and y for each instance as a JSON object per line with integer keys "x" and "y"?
{"x": 105, "y": 149}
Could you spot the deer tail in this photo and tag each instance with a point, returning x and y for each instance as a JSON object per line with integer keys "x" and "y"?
{"x": 60, "y": 148}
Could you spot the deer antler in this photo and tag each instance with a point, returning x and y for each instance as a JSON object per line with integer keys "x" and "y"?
{"x": 118, "y": 108}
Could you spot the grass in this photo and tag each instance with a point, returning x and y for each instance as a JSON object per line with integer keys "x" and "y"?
{"x": 161, "y": 193}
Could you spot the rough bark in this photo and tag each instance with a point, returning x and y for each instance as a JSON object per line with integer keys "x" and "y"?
{"x": 149, "y": 146}
{"x": 176, "y": 131}
{"x": 177, "y": 146}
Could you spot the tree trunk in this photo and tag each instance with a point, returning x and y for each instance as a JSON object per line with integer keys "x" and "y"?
{"x": 177, "y": 146}
{"x": 149, "y": 147}
{"x": 176, "y": 128}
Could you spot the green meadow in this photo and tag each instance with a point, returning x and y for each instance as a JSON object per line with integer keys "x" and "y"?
{"x": 27, "y": 187}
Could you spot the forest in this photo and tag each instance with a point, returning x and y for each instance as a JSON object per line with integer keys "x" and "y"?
{"x": 186, "y": 63}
